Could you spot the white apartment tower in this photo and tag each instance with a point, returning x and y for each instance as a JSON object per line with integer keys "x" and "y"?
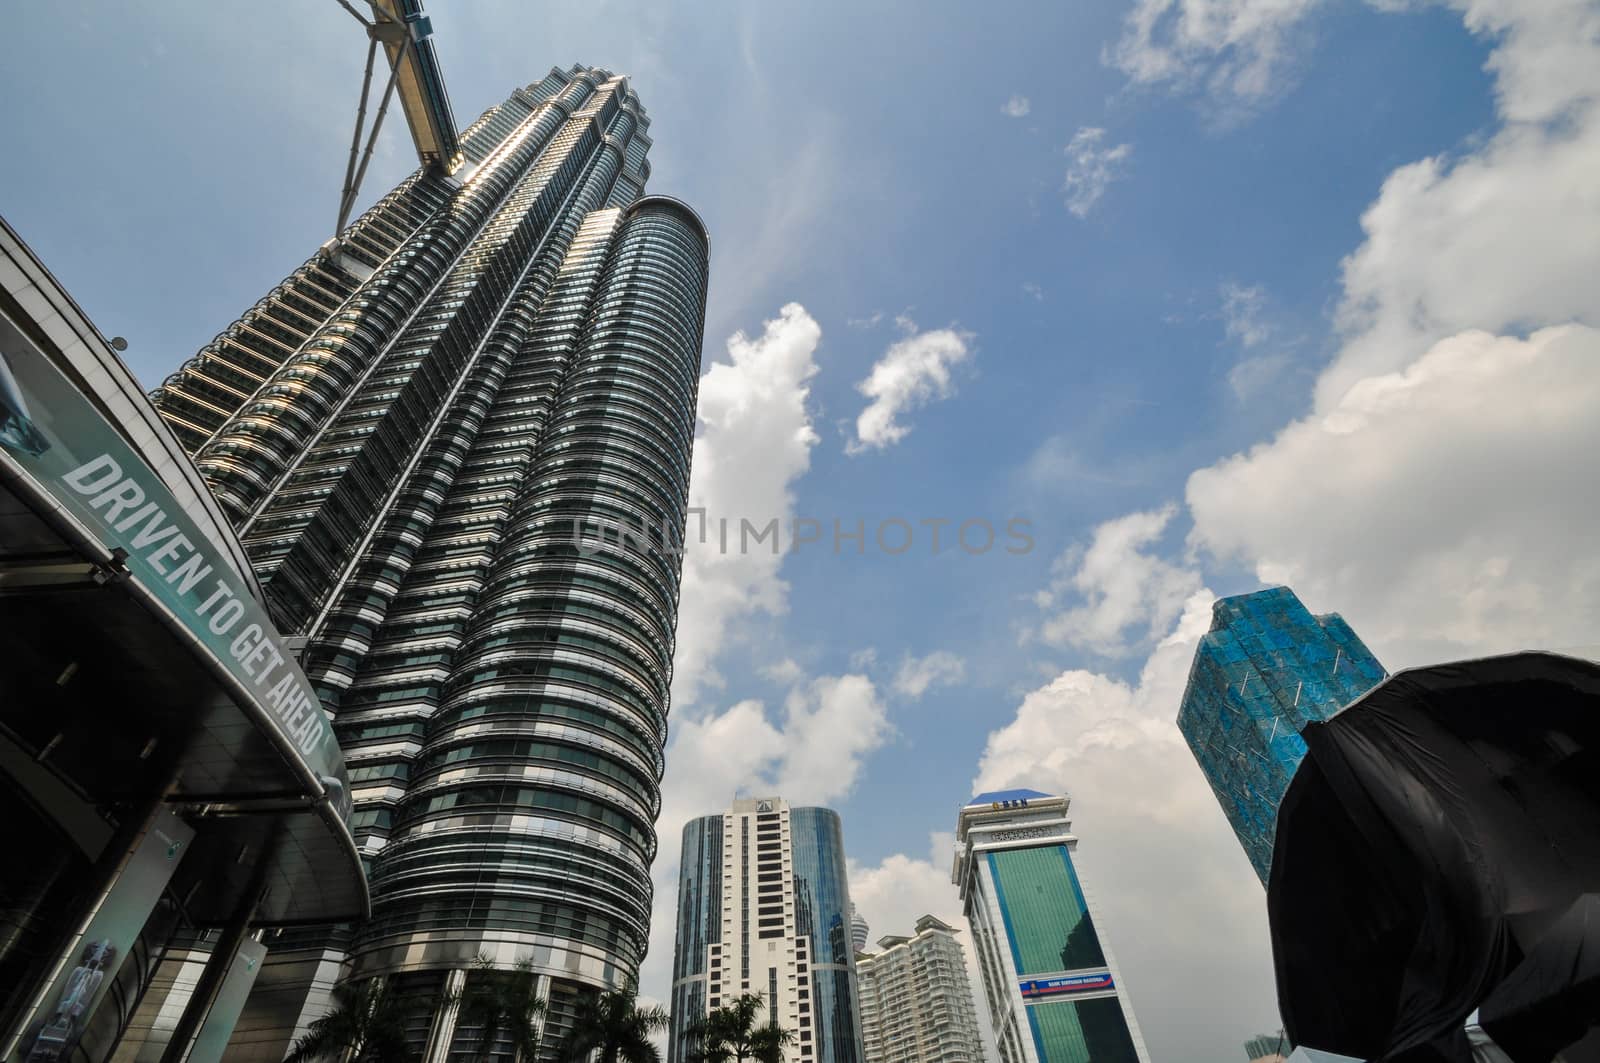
{"x": 764, "y": 907}
{"x": 916, "y": 1002}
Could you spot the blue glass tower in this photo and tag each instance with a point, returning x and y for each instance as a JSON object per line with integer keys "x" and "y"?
{"x": 1266, "y": 668}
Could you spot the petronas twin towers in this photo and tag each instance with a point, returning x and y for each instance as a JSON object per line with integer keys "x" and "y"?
{"x": 407, "y": 432}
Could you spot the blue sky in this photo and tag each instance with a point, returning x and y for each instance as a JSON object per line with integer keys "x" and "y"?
{"x": 1250, "y": 293}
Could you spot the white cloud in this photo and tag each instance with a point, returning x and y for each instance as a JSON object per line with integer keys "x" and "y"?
{"x": 1034, "y": 290}
{"x": 755, "y": 441}
{"x": 1250, "y": 377}
{"x": 1445, "y": 509}
{"x": 913, "y": 372}
{"x": 1016, "y": 107}
{"x": 829, "y": 728}
{"x": 1120, "y": 584}
{"x": 1500, "y": 239}
{"x": 1243, "y": 310}
{"x": 1244, "y": 321}
{"x": 786, "y": 671}
{"x": 863, "y": 659}
{"x": 1153, "y": 840}
{"x": 1241, "y": 53}
{"x": 1238, "y": 52}
{"x": 919, "y": 674}
{"x": 1091, "y": 167}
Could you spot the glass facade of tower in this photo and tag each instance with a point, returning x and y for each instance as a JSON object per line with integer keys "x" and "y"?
{"x": 428, "y": 438}
{"x": 764, "y": 907}
{"x": 1052, "y": 987}
{"x": 822, "y": 915}
{"x": 1266, "y": 668}
{"x": 1050, "y": 932}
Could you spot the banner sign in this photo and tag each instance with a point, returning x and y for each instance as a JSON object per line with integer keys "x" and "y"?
{"x": 69, "y": 1005}
{"x": 62, "y": 441}
{"x": 1066, "y": 985}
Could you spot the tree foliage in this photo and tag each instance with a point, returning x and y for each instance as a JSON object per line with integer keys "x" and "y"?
{"x": 734, "y": 1033}
{"x": 366, "y": 1025}
{"x": 613, "y": 1025}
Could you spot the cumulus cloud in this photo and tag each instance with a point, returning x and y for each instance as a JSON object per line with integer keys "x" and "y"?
{"x": 1016, "y": 107}
{"x": 914, "y": 371}
{"x": 1444, "y": 509}
{"x": 918, "y": 674}
{"x": 1152, "y": 840}
{"x": 1500, "y": 239}
{"x": 754, "y": 442}
{"x": 1091, "y": 167}
{"x": 829, "y": 727}
{"x": 1116, "y": 584}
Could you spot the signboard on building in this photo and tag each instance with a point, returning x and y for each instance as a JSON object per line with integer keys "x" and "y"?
{"x": 52, "y": 434}
{"x": 1066, "y": 985}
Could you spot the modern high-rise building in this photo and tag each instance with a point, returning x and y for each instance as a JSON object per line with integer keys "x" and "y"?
{"x": 859, "y": 931}
{"x": 455, "y": 444}
{"x": 916, "y": 1001}
{"x": 1266, "y": 669}
{"x": 1268, "y": 1048}
{"x": 764, "y": 907}
{"x": 1051, "y": 983}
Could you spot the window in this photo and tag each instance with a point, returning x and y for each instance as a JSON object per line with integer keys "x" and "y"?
{"x": 1045, "y": 910}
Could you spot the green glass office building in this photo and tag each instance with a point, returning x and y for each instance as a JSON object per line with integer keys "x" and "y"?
{"x": 1052, "y": 986}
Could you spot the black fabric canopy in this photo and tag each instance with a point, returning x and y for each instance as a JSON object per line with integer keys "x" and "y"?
{"x": 1442, "y": 831}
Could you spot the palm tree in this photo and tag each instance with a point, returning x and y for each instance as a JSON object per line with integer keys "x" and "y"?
{"x": 503, "y": 1001}
{"x": 613, "y": 1024}
{"x": 366, "y": 1025}
{"x": 768, "y": 1043}
{"x": 732, "y": 1033}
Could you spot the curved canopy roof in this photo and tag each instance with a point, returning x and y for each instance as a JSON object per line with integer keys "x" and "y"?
{"x": 138, "y": 657}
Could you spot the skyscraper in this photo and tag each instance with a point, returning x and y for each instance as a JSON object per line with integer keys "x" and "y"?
{"x": 422, "y": 435}
{"x": 764, "y": 907}
{"x": 1268, "y": 1048}
{"x": 1052, "y": 986}
{"x": 1266, "y": 668}
{"x": 858, "y": 930}
{"x": 916, "y": 1001}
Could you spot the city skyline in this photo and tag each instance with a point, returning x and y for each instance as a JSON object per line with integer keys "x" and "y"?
{"x": 1216, "y": 312}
